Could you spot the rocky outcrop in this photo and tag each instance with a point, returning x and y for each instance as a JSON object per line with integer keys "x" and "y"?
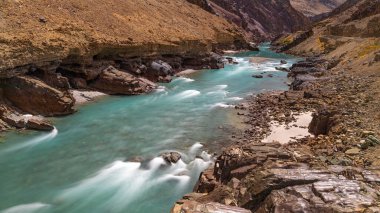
{"x": 113, "y": 81}
{"x": 33, "y": 96}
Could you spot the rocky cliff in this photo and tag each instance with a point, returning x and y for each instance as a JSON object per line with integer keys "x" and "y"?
{"x": 260, "y": 19}
{"x": 312, "y": 8}
{"x": 115, "y": 46}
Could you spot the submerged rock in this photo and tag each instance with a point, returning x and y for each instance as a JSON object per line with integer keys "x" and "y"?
{"x": 257, "y": 76}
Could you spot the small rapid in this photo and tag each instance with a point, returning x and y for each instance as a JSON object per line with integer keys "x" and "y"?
{"x": 106, "y": 157}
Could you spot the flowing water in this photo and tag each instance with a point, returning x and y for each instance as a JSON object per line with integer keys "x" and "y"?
{"x": 104, "y": 158}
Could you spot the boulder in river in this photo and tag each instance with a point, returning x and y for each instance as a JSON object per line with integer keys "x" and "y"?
{"x": 39, "y": 125}
{"x": 171, "y": 157}
{"x": 257, "y": 76}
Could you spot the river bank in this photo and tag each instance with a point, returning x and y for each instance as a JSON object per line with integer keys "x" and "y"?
{"x": 335, "y": 170}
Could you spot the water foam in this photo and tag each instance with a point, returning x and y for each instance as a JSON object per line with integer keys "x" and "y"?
{"x": 35, "y": 141}
{"x": 184, "y": 79}
{"x": 26, "y": 208}
{"x": 222, "y": 105}
{"x": 188, "y": 94}
{"x": 122, "y": 183}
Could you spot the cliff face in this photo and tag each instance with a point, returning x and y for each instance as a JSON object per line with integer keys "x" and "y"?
{"x": 313, "y": 8}
{"x": 351, "y": 33}
{"x": 261, "y": 19}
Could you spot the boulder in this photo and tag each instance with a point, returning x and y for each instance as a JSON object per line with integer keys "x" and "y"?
{"x": 160, "y": 68}
{"x": 171, "y": 157}
{"x": 113, "y": 81}
{"x": 33, "y": 96}
{"x": 39, "y": 125}
{"x": 257, "y": 76}
{"x": 322, "y": 121}
{"x": 283, "y": 69}
{"x": 283, "y": 62}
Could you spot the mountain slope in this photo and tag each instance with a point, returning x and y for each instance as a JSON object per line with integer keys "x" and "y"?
{"x": 261, "y": 19}
{"x": 47, "y": 30}
{"x": 312, "y": 8}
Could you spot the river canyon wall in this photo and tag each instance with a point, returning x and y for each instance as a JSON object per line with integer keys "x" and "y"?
{"x": 116, "y": 47}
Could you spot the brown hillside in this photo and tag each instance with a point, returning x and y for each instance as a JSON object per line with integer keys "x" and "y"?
{"x": 33, "y": 31}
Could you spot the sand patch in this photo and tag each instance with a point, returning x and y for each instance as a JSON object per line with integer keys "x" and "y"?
{"x": 288, "y": 133}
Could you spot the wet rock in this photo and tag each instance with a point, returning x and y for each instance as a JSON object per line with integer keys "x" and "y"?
{"x": 283, "y": 62}
{"x": 36, "y": 97}
{"x": 40, "y": 125}
{"x": 257, "y": 76}
{"x": 113, "y": 81}
{"x": 171, "y": 157}
{"x": 283, "y": 69}
{"x": 253, "y": 47}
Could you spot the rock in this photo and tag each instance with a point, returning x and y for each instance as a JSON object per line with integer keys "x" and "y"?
{"x": 113, "y": 81}
{"x": 160, "y": 68}
{"x": 257, "y": 76}
{"x": 78, "y": 83}
{"x": 211, "y": 207}
{"x": 321, "y": 122}
{"x": 171, "y": 157}
{"x": 353, "y": 151}
{"x": 210, "y": 61}
{"x": 253, "y": 47}
{"x": 35, "y": 97}
{"x": 322, "y": 196}
{"x": 56, "y": 80}
{"x": 371, "y": 140}
{"x": 39, "y": 125}
{"x": 230, "y": 60}
{"x": 270, "y": 75}
{"x": 42, "y": 19}
{"x": 283, "y": 62}
{"x": 283, "y": 69}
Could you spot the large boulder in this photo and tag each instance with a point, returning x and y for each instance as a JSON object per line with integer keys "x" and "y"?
{"x": 36, "y": 97}
{"x": 113, "y": 81}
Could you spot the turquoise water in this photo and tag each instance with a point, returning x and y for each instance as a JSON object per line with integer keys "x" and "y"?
{"x": 88, "y": 164}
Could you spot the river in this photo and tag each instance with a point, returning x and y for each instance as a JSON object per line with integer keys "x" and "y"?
{"x": 105, "y": 158}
